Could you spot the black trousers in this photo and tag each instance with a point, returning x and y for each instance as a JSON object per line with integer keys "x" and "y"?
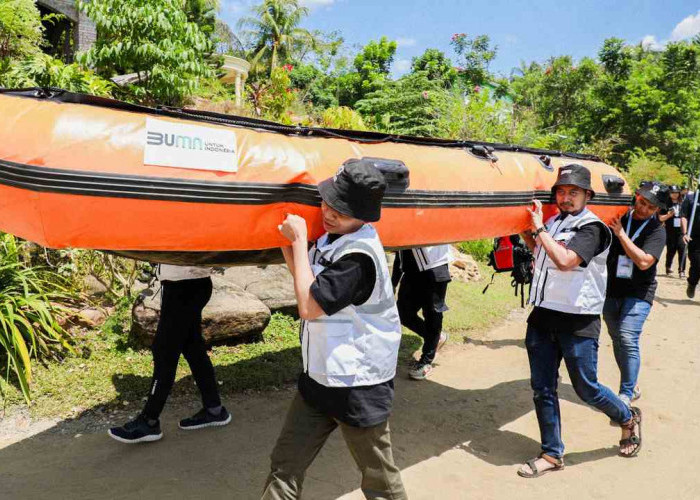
{"x": 675, "y": 245}
{"x": 180, "y": 332}
{"x": 419, "y": 291}
{"x": 694, "y": 257}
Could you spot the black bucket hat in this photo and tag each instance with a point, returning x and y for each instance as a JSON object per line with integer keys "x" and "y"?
{"x": 655, "y": 192}
{"x": 355, "y": 190}
{"x": 574, "y": 175}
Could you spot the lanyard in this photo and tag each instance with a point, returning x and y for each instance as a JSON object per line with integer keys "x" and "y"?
{"x": 639, "y": 230}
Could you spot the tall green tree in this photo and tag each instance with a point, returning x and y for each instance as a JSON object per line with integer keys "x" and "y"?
{"x": 412, "y": 105}
{"x": 474, "y": 55}
{"x": 372, "y": 66}
{"x": 437, "y": 67}
{"x": 152, "y": 38}
{"x": 275, "y": 32}
{"x": 20, "y": 28}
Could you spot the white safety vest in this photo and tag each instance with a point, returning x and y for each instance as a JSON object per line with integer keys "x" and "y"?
{"x": 577, "y": 291}
{"x": 359, "y": 345}
{"x": 431, "y": 257}
{"x": 169, "y": 272}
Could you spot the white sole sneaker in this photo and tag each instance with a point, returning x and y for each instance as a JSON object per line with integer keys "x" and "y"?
{"x": 145, "y": 439}
{"x": 208, "y": 424}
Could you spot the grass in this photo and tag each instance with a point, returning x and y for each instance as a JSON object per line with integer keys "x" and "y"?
{"x": 109, "y": 373}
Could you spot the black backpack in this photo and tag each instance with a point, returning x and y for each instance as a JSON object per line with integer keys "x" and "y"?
{"x": 511, "y": 254}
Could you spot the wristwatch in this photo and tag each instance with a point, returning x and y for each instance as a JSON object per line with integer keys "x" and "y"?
{"x": 536, "y": 233}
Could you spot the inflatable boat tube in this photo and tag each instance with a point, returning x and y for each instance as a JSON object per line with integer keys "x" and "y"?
{"x": 192, "y": 187}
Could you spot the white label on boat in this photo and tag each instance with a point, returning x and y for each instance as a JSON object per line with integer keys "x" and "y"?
{"x": 181, "y": 145}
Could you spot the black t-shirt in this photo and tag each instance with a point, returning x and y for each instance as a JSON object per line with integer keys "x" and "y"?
{"x": 589, "y": 241}
{"x": 687, "y": 212}
{"x": 348, "y": 281}
{"x": 642, "y": 285}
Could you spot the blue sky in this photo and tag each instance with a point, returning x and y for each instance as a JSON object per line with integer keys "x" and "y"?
{"x": 522, "y": 30}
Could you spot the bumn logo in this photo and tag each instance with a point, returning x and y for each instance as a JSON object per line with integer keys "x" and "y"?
{"x": 174, "y": 140}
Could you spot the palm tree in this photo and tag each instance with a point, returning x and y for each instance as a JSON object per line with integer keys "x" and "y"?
{"x": 275, "y": 32}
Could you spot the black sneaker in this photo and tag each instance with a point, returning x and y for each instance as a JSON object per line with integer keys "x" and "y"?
{"x": 203, "y": 419}
{"x": 136, "y": 431}
{"x": 690, "y": 291}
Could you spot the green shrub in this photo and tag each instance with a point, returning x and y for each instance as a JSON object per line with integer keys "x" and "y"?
{"x": 479, "y": 249}
{"x": 342, "y": 117}
{"x": 28, "y": 319}
{"x": 42, "y": 70}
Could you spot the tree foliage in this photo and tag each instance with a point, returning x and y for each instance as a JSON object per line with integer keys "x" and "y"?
{"x": 152, "y": 38}
{"x": 21, "y": 30}
{"x": 275, "y": 34}
{"x": 474, "y": 55}
{"x": 436, "y": 66}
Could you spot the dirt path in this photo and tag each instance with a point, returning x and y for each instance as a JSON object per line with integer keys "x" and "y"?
{"x": 459, "y": 435}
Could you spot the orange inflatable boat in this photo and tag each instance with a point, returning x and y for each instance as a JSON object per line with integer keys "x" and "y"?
{"x": 185, "y": 186}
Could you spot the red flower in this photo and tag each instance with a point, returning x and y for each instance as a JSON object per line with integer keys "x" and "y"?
{"x": 425, "y": 94}
{"x": 288, "y": 67}
{"x": 477, "y": 89}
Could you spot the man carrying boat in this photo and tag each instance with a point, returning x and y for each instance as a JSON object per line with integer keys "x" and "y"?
{"x": 350, "y": 336}
{"x": 568, "y": 292}
{"x": 690, "y": 227}
{"x": 423, "y": 274}
{"x": 638, "y": 242}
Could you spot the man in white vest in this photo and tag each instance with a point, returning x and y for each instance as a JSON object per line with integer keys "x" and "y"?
{"x": 186, "y": 290}
{"x": 350, "y": 336}
{"x": 423, "y": 274}
{"x": 568, "y": 293}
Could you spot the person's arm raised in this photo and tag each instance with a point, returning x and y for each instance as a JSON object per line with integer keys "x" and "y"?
{"x": 294, "y": 229}
{"x": 563, "y": 258}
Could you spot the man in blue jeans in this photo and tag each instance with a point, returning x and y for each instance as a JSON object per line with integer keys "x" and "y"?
{"x": 639, "y": 239}
{"x": 568, "y": 292}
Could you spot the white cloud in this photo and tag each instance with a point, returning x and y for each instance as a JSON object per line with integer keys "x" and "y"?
{"x": 402, "y": 65}
{"x": 650, "y": 42}
{"x": 687, "y": 28}
{"x": 405, "y": 42}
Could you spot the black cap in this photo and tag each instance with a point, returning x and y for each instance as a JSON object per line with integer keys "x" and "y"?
{"x": 655, "y": 192}
{"x": 574, "y": 175}
{"x": 355, "y": 190}
{"x": 674, "y": 189}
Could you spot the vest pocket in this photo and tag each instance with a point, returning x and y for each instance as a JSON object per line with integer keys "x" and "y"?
{"x": 332, "y": 348}
{"x": 562, "y": 287}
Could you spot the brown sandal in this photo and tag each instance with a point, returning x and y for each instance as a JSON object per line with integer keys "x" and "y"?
{"x": 635, "y": 436}
{"x": 558, "y": 465}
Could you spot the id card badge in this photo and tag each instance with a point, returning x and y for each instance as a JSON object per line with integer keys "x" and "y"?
{"x": 676, "y": 222}
{"x": 625, "y": 266}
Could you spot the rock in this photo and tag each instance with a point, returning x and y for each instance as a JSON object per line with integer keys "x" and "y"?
{"x": 93, "y": 287}
{"x": 271, "y": 284}
{"x": 231, "y": 313}
{"x": 464, "y": 268}
{"x": 95, "y": 316}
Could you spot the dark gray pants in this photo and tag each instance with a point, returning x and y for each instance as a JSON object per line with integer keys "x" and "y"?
{"x": 304, "y": 433}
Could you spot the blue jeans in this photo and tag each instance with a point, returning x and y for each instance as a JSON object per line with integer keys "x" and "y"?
{"x": 545, "y": 351}
{"x": 625, "y": 318}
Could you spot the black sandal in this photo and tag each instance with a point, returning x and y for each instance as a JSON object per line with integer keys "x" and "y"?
{"x": 559, "y": 465}
{"x": 635, "y": 437}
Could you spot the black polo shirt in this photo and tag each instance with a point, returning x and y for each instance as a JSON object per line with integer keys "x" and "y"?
{"x": 348, "y": 281}
{"x": 642, "y": 285}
